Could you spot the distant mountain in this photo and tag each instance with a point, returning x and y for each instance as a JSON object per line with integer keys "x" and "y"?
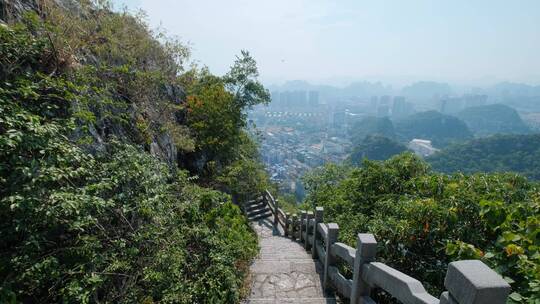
{"x": 426, "y": 90}
{"x": 520, "y": 96}
{"x": 499, "y": 153}
{"x": 514, "y": 89}
{"x": 355, "y": 89}
{"x": 372, "y": 126}
{"x": 375, "y": 147}
{"x": 441, "y": 129}
{"x": 366, "y": 89}
{"x": 493, "y": 119}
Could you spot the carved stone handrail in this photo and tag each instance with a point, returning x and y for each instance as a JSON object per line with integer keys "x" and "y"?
{"x": 467, "y": 282}
{"x": 396, "y": 283}
{"x": 323, "y": 230}
{"x": 345, "y": 252}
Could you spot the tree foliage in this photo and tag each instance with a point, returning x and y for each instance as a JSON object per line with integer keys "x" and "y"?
{"x": 216, "y": 112}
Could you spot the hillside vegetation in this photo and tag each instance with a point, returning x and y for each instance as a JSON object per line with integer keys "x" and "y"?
{"x": 498, "y": 153}
{"x": 381, "y": 126}
{"x": 375, "y": 147}
{"x": 440, "y": 128}
{"x": 493, "y": 119}
{"x": 424, "y": 220}
{"x": 118, "y": 164}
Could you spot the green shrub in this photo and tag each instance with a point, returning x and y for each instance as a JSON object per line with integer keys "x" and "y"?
{"x": 423, "y": 220}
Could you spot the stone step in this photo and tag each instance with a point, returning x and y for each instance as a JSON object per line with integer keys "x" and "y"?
{"x": 284, "y": 271}
{"x": 285, "y": 266}
{"x": 260, "y": 216}
{"x": 284, "y": 256}
{"x": 255, "y": 206}
{"x": 258, "y": 211}
{"x": 292, "y": 301}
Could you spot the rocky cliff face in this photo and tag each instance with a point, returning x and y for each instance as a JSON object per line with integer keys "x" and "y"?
{"x": 156, "y": 138}
{"x": 12, "y": 10}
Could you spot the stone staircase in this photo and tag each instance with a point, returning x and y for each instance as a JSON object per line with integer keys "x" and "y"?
{"x": 284, "y": 272}
{"x": 257, "y": 209}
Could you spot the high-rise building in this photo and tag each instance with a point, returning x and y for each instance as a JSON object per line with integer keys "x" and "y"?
{"x": 383, "y": 110}
{"x": 275, "y": 95}
{"x": 475, "y": 100}
{"x": 373, "y": 104}
{"x": 285, "y": 99}
{"x": 313, "y": 99}
{"x": 450, "y": 105}
{"x": 300, "y": 98}
{"x": 401, "y": 108}
{"x": 385, "y": 100}
{"x": 339, "y": 119}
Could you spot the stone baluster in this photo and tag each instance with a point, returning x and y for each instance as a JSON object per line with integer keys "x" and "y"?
{"x": 318, "y": 218}
{"x": 287, "y": 219}
{"x": 473, "y": 282}
{"x": 366, "y": 249}
{"x": 276, "y": 213}
{"x": 294, "y": 222}
{"x": 309, "y": 216}
{"x": 331, "y": 238}
{"x": 303, "y": 215}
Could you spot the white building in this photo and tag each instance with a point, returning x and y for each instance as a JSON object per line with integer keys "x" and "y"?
{"x": 422, "y": 147}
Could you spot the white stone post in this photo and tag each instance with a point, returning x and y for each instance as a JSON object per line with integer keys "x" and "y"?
{"x": 276, "y": 213}
{"x": 303, "y": 215}
{"x": 287, "y": 219}
{"x": 331, "y": 238}
{"x": 366, "y": 250}
{"x": 309, "y": 216}
{"x": 294, "y": 222}
{"x": 319, "y": 213}
{"x": 473, "y": 282}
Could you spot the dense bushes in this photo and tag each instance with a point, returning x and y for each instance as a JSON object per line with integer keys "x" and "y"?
{"x": 424, "y": 220}
{"x": 120, "y": 228}
{"x": 94, "y": 207}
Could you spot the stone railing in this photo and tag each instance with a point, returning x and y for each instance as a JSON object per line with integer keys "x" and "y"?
{"x": 467, "y": 282}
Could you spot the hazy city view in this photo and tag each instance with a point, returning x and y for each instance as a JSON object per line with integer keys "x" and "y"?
{"x": 306, "y": 126}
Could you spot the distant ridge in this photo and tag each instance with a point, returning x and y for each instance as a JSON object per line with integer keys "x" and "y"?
{"x": 498, "y": 153}
{"x": 493, "y": 119}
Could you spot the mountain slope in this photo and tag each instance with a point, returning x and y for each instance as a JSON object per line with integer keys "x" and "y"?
{"x": 499, "y": 153}
{"x": 493, "y": 119}
{"x": 441, "y": 129}
{"x": 381, "y": 126}
{"x": 375, "y": 147}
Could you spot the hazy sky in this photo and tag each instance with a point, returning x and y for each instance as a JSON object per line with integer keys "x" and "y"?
{"x": 338, "y": 40}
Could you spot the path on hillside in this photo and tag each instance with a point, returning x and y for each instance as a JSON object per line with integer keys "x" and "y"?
{"x": 284, "y": 272}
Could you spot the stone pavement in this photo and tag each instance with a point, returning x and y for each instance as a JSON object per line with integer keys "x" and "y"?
{"x": 284, "y": 272}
